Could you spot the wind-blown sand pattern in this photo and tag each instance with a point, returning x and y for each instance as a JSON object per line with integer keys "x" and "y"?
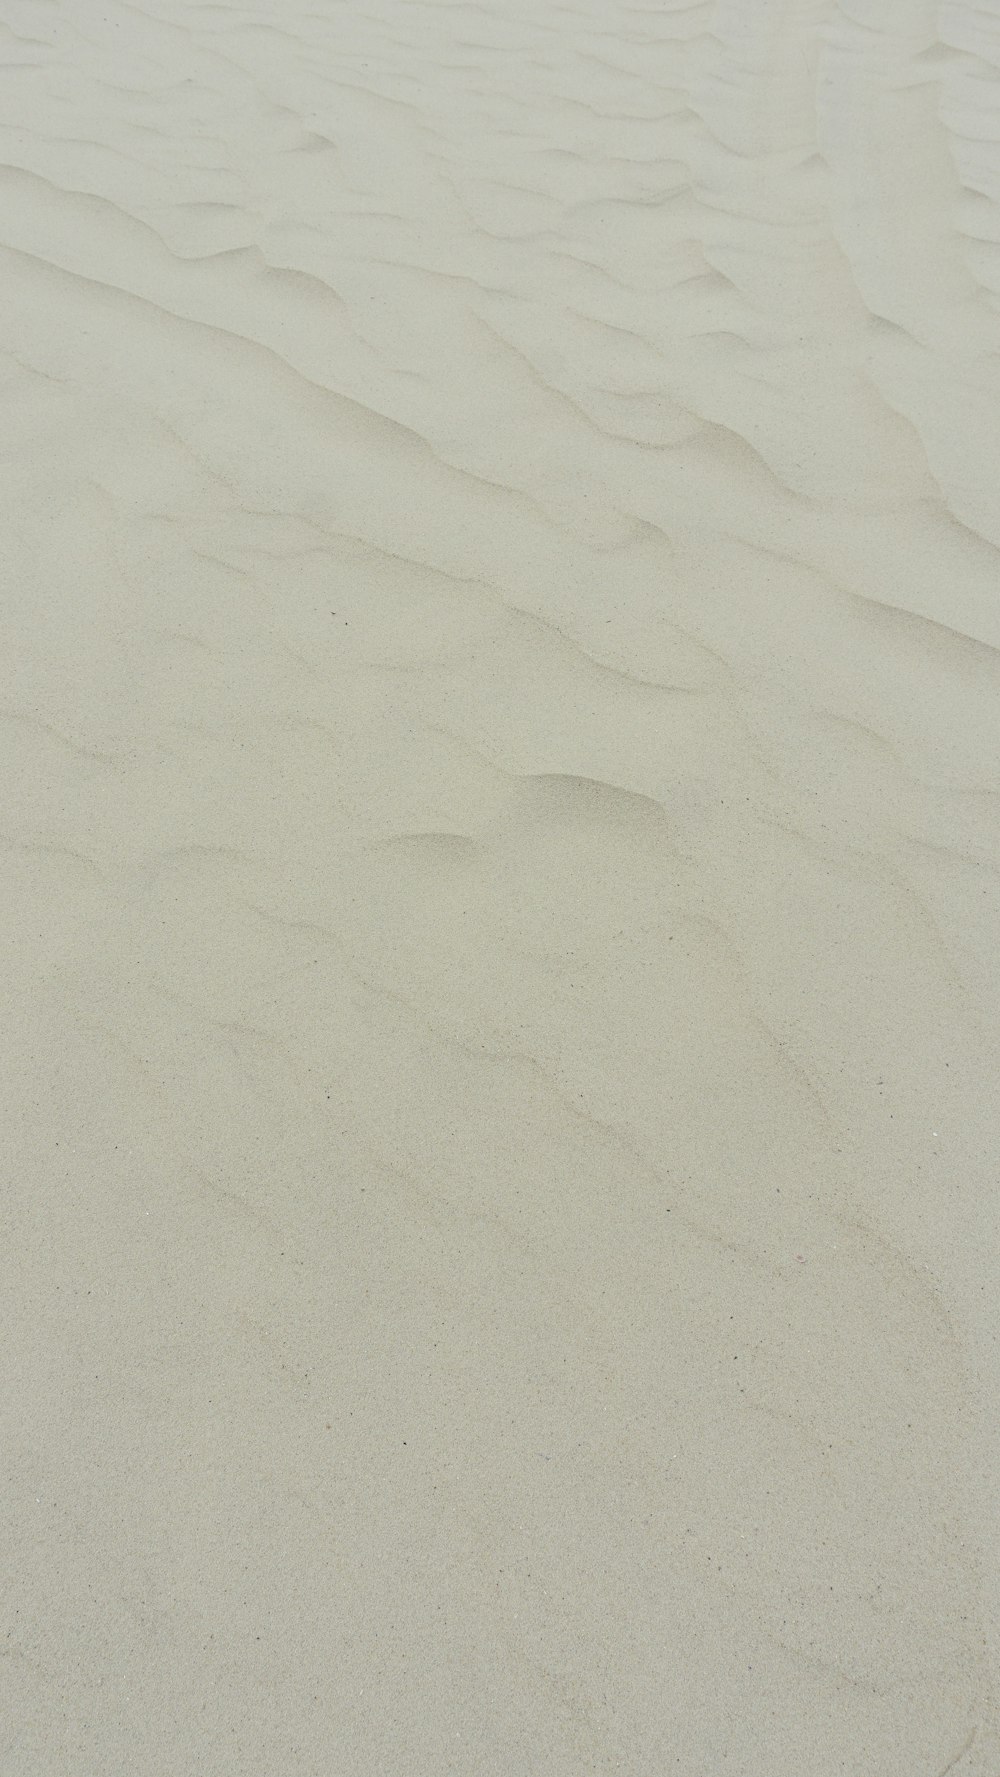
{"x": 500, "y": 730}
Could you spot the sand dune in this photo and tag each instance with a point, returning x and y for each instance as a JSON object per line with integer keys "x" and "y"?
{"x": 499, "y": 725}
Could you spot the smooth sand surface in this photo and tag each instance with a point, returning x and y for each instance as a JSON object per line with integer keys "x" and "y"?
{"x": 500, "y": 834}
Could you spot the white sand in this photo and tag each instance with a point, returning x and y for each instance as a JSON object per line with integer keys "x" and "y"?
{"x": 500, "y": 737}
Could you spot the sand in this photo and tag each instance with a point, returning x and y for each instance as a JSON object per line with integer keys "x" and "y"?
{"x": 499, "y": 731}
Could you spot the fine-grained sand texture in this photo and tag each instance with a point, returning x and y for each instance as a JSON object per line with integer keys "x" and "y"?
{"x": 499, "y": 841}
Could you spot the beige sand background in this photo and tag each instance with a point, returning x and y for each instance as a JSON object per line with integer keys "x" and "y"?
{"x": 499, "y": 732}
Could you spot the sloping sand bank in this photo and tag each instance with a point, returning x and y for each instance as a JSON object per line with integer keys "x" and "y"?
{"x": 499, "y": 740}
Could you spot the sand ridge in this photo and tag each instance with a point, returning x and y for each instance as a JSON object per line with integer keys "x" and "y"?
{"x": 499, "y": 724}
